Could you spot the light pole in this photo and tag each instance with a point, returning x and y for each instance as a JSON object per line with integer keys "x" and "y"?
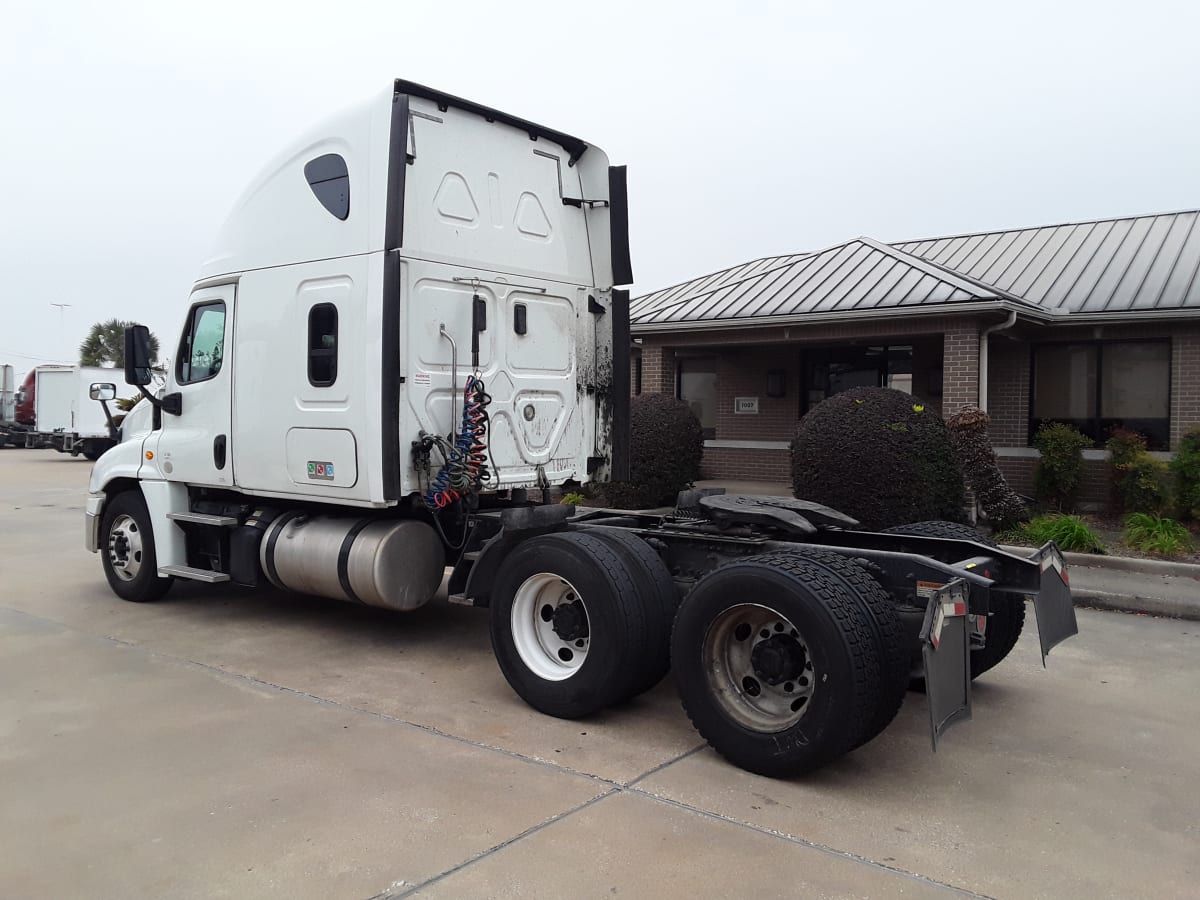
{"x": 62, "y": 307}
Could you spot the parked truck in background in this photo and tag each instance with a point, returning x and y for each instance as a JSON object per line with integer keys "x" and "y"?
{"x": 412, "y": 328}
{"x": 14, "y": 427}
{"x": 55, "y": 410}
{"x": 8, "y": 403}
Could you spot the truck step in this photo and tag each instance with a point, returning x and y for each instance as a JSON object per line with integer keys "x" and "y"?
{"x": 472, "y": 555}
{"x": 192, "y": 574}
{"x": 461, "y": 599}
{"x": 202, "y": 518}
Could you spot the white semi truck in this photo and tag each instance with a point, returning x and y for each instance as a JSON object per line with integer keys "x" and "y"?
{"x": 411, "y": 328}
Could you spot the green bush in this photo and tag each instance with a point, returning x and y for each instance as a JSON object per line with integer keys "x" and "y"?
{"x": 1124, "y": 446}
{"x": 1002, "y": 505}
{"x": 1140, "y": 483}
{"x": 1069, "y": 532}
{"x": 666, "y": 443}
{"x": 880, "y": 456}
{"x": 1145, "y": 486}
{"x": 1186, "y": 469}
{"x": 1059, "y": 473}
{"x": 1157, "y": 534}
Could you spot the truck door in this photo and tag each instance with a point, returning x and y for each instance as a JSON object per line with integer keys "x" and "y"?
{"x": 194, "y": 446}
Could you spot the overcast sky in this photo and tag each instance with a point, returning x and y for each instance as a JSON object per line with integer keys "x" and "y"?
{"x": 130, "y": 127}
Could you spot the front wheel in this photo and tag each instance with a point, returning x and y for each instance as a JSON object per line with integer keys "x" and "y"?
{"x": 130, "y": 563}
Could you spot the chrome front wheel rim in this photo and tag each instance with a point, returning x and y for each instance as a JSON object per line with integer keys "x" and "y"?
{"x": 125, "y": 547}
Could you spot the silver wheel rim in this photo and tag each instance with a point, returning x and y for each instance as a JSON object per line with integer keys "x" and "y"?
{"x": 125, "y": 547}
{"x": 758, "y": 667}
{"x": 550, "y": 627}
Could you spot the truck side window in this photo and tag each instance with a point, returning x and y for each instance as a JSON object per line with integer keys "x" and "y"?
{"x": 203, "y": 344}
{"x": 322, "y": 345}
{"x": 330, "y": 182}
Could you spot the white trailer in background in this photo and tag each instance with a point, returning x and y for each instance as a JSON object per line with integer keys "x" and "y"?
{"x": 8, "y": 397}
{"x": 66, "y": 418}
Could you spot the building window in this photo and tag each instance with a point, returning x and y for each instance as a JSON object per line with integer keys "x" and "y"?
{"x": 829, "y": 372}
{"x": 322, "y": 345}
{"x": 697, "y": 386}
{"x": 1101, "y": 385}
{"x": 202, "y": 347}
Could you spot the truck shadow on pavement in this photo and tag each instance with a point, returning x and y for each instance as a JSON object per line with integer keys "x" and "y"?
{"x": 267, "y": 608}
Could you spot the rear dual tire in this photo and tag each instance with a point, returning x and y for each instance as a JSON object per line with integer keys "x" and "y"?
{"x": 783, "y": 665}
{"x": 578, "y": 621}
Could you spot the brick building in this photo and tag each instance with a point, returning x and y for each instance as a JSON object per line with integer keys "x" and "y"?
{"x": 1092, "y": 323}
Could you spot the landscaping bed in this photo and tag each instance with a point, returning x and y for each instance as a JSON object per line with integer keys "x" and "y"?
{"x": 1110, "y": 531}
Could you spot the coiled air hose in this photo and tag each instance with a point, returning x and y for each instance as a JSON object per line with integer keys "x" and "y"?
{"x": 465, "y": 469}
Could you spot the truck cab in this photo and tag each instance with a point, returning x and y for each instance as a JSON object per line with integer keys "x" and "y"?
{"x": 413, "y": 309}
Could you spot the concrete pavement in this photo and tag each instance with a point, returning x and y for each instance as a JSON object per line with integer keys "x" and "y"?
{"x": 259, "y": 744}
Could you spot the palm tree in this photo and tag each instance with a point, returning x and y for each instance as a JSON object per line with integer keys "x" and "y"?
{"x": 105, "y": 345}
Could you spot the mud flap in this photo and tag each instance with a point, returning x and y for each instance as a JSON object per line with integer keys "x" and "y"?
{"x": 946, "y": 648}
{"x": 1053, "y": 606}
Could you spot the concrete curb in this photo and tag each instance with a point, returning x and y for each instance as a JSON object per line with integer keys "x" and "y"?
{"x": 1151, "y": 586}
{"x": 1120, "y": 563}
{"x": 1154, "y": 606}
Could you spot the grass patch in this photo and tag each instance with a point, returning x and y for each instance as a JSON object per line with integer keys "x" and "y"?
{"x": 1071, "y": 533}
{"x": 1157, "y": 534}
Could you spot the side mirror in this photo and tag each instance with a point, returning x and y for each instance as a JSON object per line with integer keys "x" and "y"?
{"x": 137, "y": 355}
{"x": 103, "y": 391}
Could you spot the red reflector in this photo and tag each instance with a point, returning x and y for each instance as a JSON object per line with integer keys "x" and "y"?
{"x": 987, "y": 573}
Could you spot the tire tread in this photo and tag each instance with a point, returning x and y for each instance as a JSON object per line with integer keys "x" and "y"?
{"x": 877, "y": 603}
{"x": 657, "y": 594}
{"x": 862, "y": 649}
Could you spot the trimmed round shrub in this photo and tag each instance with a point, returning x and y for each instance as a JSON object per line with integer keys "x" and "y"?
{"x": 880, "y": 456}
{"x": 665, "y": 447}
{"x": 1002, "y": 505}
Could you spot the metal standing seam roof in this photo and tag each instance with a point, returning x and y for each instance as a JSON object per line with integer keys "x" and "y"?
{"x": 687, "y": 290}
{"x": 1133, "y": 263}
{"x": 1129, "y": 264}
{"x": 860, "y": 274}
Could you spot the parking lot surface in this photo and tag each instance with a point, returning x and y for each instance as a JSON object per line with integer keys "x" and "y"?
{"x": 229, "y": 743}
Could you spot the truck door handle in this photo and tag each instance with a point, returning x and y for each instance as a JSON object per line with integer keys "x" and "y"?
{"x": 219, "y": 451}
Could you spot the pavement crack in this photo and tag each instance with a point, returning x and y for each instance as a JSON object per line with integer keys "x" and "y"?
{"x": 802, "y": 842}
{"x": 670, "y": 762}
{"x": 483, "y": 854}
